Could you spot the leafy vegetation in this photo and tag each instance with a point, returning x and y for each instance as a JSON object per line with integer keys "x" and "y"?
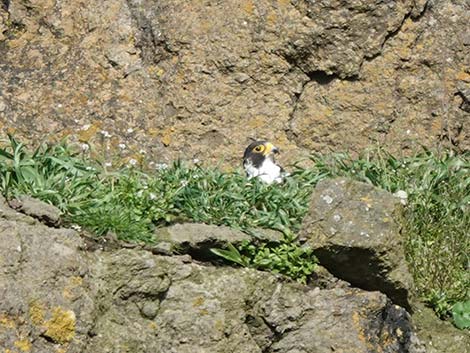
{"x": 130, "y": 202}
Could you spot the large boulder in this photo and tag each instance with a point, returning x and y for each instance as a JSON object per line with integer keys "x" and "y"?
{"x": 58, "y": 297}
{"x": 355, "y": 231}
{"x": 162, "y": 304}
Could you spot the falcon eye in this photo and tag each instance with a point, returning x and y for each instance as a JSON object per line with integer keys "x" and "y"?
{"x": 259, "y": 148}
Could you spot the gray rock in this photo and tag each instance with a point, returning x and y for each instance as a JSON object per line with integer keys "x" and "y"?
{"x": 58, "y": 297}
{"x": 217, "y": 309}
{"x": 44, "y": 286}
{"x": 42, "y": 211}
{"x": 354, "y": 230}
{"x": 197, "y": 239}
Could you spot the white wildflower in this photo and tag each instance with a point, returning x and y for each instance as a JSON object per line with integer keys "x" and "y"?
{"x": 76, "y": 227}
{"x": 152, "y": 196}
{"x": 105, "y": 133}
{"x": 196, "y": 161}
{"x": 122, "y": 146}
{"x": 85, "y": 147}
{"x": 130, "y": 130}
{"x": 142, "y": 152}
{"x": 132, "y": 161}
{"x": 161, "y": 166}
{"x": 184, "y": 183}
{"x": 85, "y": 127}
{"x": 108, "y": 164}
{"x": 402, "y": 195}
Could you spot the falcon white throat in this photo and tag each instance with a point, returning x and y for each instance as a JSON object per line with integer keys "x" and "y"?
{"x": 258, "y": 161}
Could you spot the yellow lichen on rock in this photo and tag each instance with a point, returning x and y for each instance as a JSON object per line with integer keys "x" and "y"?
{"x": 36, "y": 313}
{"x": 69, "y": 290}
{"x": 61, "y": 327}
{"x": 7, "y": 321}
{"x": 23, "y": 345}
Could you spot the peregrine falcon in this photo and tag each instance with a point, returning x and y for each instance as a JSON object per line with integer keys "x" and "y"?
{"x": 258, "y": 161}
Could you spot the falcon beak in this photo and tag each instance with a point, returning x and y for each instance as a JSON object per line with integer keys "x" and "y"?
{"x": 270, "y": 148}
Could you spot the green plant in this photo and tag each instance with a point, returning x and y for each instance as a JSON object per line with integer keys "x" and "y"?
{"x": 461, "y": 314}
{"x": 287, "y": 258}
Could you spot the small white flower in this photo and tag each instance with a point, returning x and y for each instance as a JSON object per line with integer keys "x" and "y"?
{"x": 196, "y": 160}
{"x": 89, "y": 168}
{"x": 402, "y": 195}
{"x": 85, "y": 147}
{"x": 85, "y": 127}
{"x": 122, "y": 146}
{"x": 132, "y": 161}
{"x": 76, "y": 227}
{"x": 130, "y": 130}
{"x": 184, "y": 182}
{"x": 142, "y": 152}
{"x": 105, "y": 133}
{"x": 152, "y": 196}
{"x": 161, "y": 166}
{"x": 108, "y": 164}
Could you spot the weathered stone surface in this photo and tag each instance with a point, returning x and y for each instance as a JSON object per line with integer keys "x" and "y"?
{"x": 44, "y": 287}
{"x": 44, "y": 212}
{"x": 182, "y": 79}
{"x": 407, "y": 96}
{"x": 216, "y": 309}
{"x": 353, "y": 227}
{"x": 437, "y": 335}
{"x": 56, "y": 297}
{"x": 197, "y": 239}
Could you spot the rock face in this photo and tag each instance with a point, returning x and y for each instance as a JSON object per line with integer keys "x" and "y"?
{"x": 58, "y": 297}
{"x": 197, "y": 239}
{"x": 353, "y": 227}
{"x": 181, "y": 79}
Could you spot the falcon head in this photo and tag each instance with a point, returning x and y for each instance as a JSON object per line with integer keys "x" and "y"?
{"x": 258, "y": 161}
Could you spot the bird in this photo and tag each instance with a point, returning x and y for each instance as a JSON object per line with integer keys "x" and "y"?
{"x": 258, "y": 161}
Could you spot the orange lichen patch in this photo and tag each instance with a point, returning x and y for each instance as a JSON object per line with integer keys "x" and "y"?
{"x": 463, "y": 76}
{"x": 7, "y": 321}
{"x": 257, "y": 121}
{"x": 248, "y": 7}
{"x": 23, "y": 345}
{"x": 11, "y": 130}
{"x": 61, "y": 327}
{"x": 74, "y": 282}
{"x": 198, "y": 302}
{"x": 36, "y": 313}
{"x": 271, "y": 19}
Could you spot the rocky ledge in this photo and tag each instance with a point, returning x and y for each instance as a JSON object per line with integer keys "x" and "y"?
{"x": 60, "y": 295}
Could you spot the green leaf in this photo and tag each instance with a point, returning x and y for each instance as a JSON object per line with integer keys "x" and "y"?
{"x": 231, "y": 254}
{"x": 461, "y": 314}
